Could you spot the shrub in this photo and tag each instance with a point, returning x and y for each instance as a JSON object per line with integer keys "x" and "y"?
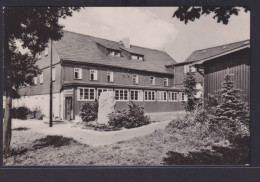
{"x": 89, "y": 111}
{"x": 131, "y": 118}
{"x": 35, "y": 114}
{"x": 20, "y": 113}
{"x": 25, "y": 113}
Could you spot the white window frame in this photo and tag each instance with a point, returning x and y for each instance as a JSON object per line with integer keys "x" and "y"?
{"x": 121, "y": 91}
{"x": 79, "y": 71}
{"x": 182, "y": 96}
{"x": 110, "y": 75}
{"x": 167, "y": 82}
{"x": 188, "y": 68}
{"x": 161, "y": 96}
{"x": 152, "y": 81}
{"x": 95, "y": 75}
{"x": 139, "y": 93}
{"x": 148, "y": 99}
{"x": 135, "y": 79}
{"x": 46, "y": 51}
{"x": 102, "y": 90}
{"x": 114, "y": 53}
{"x": 83, "y": 94}
{"x": 41, "y": 78}
{"x": 53, "y": 74}
{"x": 173, "y": 96}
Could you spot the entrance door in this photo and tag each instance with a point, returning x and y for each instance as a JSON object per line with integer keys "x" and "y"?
{"x": 68, "y": 108}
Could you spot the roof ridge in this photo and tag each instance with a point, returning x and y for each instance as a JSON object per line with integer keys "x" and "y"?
{"x": 222, "y": 45}
{"x": 113, "y": 41}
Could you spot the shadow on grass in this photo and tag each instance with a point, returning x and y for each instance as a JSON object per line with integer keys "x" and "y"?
{"x": 238, "y": 154}
{"x": 52, "y": 141}
{"x": 20, "y": 129}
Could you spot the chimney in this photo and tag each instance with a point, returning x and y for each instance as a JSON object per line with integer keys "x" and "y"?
{"x": 125, "y": 42}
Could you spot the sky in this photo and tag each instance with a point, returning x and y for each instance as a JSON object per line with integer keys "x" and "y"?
{"x": 154, "y": 27}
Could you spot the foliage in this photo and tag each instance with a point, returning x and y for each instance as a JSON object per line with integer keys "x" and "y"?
{"x": 232, "y": 114}
{"x": 25, "y": 113}
{"x": 190, "y": 90}
{"x": 20, "y": 113}
{"x": 33, "y": 27}
{"x": 222, "y": 14}
{"x": 131, "y": 118}
{"x": 35, "y": 114}
{"x": 236, "y": 154}
{"x": 89, "y": 111}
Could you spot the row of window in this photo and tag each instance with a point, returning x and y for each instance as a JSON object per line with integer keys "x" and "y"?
{"x": 90, "y": 94}
{"x": 110, "y": 77}
{"x": 35, "y": 79}
{"x": 117, "y": 53}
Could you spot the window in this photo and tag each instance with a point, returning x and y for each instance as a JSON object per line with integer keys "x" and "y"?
{"x": 152, "y": 80}
{"x": 53, "y": 74}
{"x": 188, "y": 68}
{"x": 183, "y": 97}
{"x": 137, "y": 57}
{"x": 86, "y": 94}
{"x": 149, "y": 95}
{"x": 173, "y": 96}
{"x": 46, "y": 51}
{"x": 100, "y": 90}
{"x": 136, "y": 95}
{"x": 35, "y": 80}
{"x": 135, "y": 79}
{"x": 39, "y": 55}
{"x": 121, "y": 94}
{"x": 114, "y": 53}
{"x": 41, "y": 78}
{"x": 93, "y": 74}
{"x": 162, "y": 96}
{"x": 77, "y": 73}
{"x": 165, "y": 82}
{"x": 110, "y": 76}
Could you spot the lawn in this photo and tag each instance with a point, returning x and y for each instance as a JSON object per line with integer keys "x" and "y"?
{"x": 178, "y": 143}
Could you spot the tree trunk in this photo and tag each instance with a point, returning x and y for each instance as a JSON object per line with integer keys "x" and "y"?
{"x": 7, "y": 130}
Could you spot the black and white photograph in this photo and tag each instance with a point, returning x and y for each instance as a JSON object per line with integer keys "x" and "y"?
{"x": 126, "y": 86}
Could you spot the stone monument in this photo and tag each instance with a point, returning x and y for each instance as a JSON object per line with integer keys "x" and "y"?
{"x": 106, "y": 105}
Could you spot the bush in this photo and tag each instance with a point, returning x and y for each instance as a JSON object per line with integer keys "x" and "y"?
{"x": 20, "y": 113}
{"x": 131, "y": 118}
{"x": 25, "y": 113}
{"x": 89, "y": 111}
{"x": 35, "y": 114}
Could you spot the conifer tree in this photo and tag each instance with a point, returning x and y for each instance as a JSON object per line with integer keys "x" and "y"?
{"x": 190, "y": 90}
{"x": 232, "y": 111}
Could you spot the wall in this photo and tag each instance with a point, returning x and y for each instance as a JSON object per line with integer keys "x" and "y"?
{"x": 121, "y": 76}
{"x": 42, "y": 102}
{"x": 237, "y": 63}
{"x": 44, "y": 88}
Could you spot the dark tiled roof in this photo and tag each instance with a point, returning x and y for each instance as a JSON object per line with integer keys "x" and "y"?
{"x": 84, "y": 48}
{"x": 214, "y": 51}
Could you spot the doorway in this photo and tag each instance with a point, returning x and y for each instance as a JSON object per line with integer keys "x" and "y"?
{"x": 68, "y": 108}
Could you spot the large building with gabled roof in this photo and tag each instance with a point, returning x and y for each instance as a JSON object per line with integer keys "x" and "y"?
{"x": 84, "y": 66}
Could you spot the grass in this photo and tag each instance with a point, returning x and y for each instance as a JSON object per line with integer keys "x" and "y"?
{"x": 189, "y": 145}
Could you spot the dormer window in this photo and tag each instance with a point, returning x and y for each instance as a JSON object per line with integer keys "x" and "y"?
{"x": 114, "y": 53}
{"x": 137, "y": 57}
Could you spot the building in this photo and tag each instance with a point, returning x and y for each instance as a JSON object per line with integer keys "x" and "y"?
{"x": 84, "y": 66}
{"x": 180, "y": 70}
{"x": 215, "y": 62}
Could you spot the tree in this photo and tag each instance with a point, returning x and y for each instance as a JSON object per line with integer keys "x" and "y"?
{"x": 190, "y": 90}
{"x": 222, "y": 14}
{"x": 232, "y": 111}
{"x": 33, "y": 27}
